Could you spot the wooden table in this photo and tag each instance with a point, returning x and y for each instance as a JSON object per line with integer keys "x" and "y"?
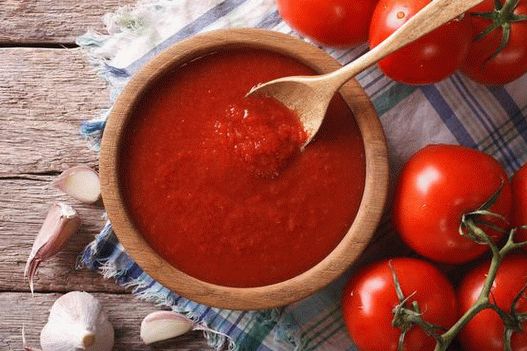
{"x": 46, "y": 89}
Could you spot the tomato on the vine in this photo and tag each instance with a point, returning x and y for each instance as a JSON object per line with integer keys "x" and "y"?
{"x": 339, "y": 23}
{"x": 499, "y": 56}
{"x": 429, "y": 59}
{"x": 519, "y": 203}
{"x": 485, "y": 331}
{"x": 370, "y": 297}
{"x": 437, "y": 186}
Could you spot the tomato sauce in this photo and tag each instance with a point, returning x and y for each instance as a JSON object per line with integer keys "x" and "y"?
{"x": 263, "y": 132}
{"x": 216, "y": 182}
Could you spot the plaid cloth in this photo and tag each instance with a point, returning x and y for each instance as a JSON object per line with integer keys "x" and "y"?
{"x": 455, "y": 111}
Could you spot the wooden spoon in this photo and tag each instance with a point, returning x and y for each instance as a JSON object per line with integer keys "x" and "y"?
{"x": 309, "y": 96}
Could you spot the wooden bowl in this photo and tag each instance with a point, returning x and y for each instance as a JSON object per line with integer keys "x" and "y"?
{"x": 347, "y": 251}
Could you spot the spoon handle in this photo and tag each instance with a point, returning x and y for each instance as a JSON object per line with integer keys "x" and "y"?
{"x": 432, "y": 16}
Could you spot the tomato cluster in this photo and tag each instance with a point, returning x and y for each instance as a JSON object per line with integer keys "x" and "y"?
{"x": 488, "y": 44}
{"x": 443, "y": 193}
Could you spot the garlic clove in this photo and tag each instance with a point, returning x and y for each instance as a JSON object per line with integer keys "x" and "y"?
{"x": 61, "y": 222}
{"x": 164, "y": 325}
{"x": 77, "y": 322}
{"x": 81, "y": 183}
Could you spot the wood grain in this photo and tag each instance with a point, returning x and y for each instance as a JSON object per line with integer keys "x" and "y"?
{"x": 124, "y": 312}
{"x": 348, "y": 250}
{"x": 44, "y": 96}
{"x": 51, "y": 21}
{"x": 25, "y": 202}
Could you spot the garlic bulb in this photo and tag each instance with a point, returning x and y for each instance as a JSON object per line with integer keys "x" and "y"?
{"x": 77, "y": 322}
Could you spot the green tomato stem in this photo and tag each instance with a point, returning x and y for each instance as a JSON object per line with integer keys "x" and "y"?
{"x": 508, "y": 8}
{"x": 483, "y": 302}
{"x": 501, "y": 17}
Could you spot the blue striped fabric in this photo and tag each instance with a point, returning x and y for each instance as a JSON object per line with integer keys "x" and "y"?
{"x": 457, "y": 111}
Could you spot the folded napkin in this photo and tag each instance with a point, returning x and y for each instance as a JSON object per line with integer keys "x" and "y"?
{"x": 455, "y": 111}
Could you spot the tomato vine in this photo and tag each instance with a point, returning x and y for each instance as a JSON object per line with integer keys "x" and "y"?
{"x": 405, "y": 317}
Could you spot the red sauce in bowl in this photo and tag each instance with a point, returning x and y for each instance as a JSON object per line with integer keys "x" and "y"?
{"x": 263, "y": 133}
{"x": 217, "y": 184}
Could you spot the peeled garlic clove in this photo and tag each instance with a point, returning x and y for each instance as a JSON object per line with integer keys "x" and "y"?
{"x": 163, "y": 325}
{"x": 81, "y": 183}
{"x": 77, "y": 322}
{"x": 60, "y": 223}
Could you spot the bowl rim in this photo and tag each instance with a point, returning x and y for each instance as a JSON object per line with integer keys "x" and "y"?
{"x": 347, "y": 251}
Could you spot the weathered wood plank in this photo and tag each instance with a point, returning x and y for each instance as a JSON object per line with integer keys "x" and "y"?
{"x": 44, "y": 96}
{"x": 124, "y": 311}
{"x": 23, "y": 207}
{"x": 50, "y": 21}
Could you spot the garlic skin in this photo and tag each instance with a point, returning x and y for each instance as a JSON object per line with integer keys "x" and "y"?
{"x": 77, "y": 322}
{"x": 61, "y": 222}
{"x": 81, "y": 183}
{"x": 164, "y": 325}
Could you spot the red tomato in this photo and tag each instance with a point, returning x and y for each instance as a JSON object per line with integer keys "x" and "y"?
{"x": 370, "y": 297}
{"x": 485, "y": 331}
{"x": 437, "y": 186}
{"x": 519, "y": 202}
{"x": 428, "y": 60}
{"x": 337, "y": 23}
{"x": 511, "y": 62}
